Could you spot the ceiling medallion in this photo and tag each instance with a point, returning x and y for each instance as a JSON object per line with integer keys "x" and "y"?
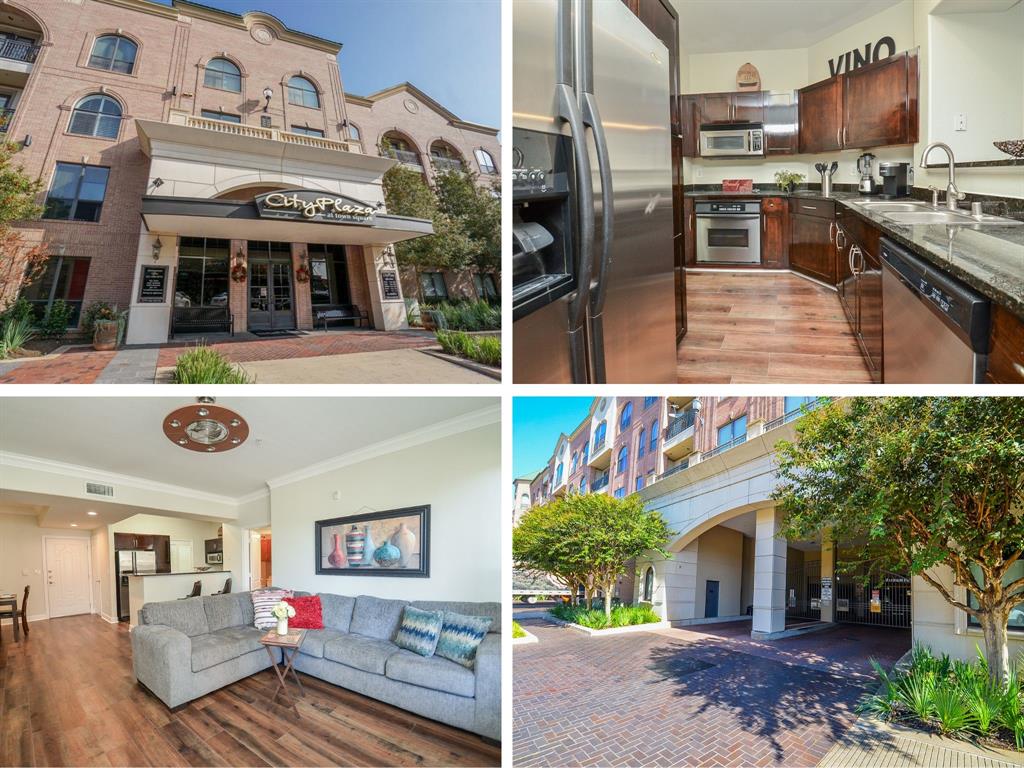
{"x": 205, "y": 427}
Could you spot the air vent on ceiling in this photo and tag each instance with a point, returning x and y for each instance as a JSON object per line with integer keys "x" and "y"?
{"x": 98, "y": 489}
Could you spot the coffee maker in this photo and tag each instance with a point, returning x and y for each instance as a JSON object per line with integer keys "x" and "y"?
{"x": 867, "y": 185}
{"x": 897, "y": 178}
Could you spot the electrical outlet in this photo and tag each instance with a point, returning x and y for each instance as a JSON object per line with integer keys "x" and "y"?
{"x": 698, "y": 172}
{"x": 960, "y": 121}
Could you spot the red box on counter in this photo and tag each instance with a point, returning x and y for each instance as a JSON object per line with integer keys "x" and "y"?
{"x": 738, "y": 185}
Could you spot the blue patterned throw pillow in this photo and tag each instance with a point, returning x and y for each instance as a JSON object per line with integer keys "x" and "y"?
{"x": 419, "y": 630}
{"x": 460, "y": 637}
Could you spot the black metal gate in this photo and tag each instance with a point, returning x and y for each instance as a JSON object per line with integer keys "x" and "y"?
{"x": 882, "y": 600}
{"x": 803, "y": 591}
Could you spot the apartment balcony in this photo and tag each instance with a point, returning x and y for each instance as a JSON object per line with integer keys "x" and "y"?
{"x": 404, "y": 156}
{"x": 16, "y": 60}
{"x": 600, "y": 453}
{"x": 447, "y": 163}
{"x": 600, "y": 484}
{"x": 672, "y": 470}
{"x": 677, "y": 441}
{"x": 6, "y": 118}
{"x": 679, "y": 402}
{"x": 796, "y": 413}
{"x": 559, "y": 489}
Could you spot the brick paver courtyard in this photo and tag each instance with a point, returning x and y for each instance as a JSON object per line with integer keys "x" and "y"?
{"x": 681, "y": 698}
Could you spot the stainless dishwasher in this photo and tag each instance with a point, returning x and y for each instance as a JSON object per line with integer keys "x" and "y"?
{"x": 934, "y": 328}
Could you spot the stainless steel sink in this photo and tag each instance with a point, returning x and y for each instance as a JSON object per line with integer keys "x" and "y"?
{"x": 933, "y": 216}
{"x": 889, "y": 207}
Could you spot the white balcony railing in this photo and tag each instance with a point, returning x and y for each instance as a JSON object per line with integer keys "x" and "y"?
{"x": 272, "y": 134}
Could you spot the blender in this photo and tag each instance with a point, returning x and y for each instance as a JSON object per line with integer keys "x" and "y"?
{"x": 868, "y": 185}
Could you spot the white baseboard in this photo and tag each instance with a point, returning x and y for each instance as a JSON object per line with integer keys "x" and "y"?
{"x": 108, "y": 619}
{"x": 32, "y": 617}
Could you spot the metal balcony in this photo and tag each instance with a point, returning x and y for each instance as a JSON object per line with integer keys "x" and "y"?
{"x": 671, "y": 471}
{"x": 739, "y": 440}
{"x": 678, "y": 439}
{"x": 18, "y": 50}
{"x": 600, "y": 484}
{"x": 403, "y": 156}
{"x": 796, "y": 413}
{"x": 447, "y": 163}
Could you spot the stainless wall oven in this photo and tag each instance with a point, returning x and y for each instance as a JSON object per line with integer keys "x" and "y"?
{"x": 732, "y": 140}
{"x": 728, "y": 231}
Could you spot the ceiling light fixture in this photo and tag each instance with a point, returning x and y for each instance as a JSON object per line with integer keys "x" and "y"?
{"x": 74, "y": 525}
{"x": 206, "y": 427}
{"x": 90, "y": 513}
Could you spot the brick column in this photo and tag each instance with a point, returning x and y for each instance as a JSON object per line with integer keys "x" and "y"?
{"x": 238, "y": 292}
{"x": 302, "y": 291}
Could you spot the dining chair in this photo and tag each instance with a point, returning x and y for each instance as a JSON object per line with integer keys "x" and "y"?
{"x": 197, "y": 590}
{"x": 227, "y": 588}
{"x": 16, "y": 614}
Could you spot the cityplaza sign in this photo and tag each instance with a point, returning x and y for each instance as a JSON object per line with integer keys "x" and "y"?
{"x": 309, "y": 205}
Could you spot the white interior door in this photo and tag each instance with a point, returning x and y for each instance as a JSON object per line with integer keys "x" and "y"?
{"x": 181, "y": 556}
{"x": 67, "y": 577}
{"x": 254, "y": 561}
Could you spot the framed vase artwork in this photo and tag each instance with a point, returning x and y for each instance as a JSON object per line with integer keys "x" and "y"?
{"x": 395, "y": 542}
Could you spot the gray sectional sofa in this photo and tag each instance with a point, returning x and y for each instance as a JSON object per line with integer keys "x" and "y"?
{"x": 184, "y": 649}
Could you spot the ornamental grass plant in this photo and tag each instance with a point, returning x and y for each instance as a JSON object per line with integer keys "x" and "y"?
{"x": 594, "y": 618}
{"x": 204, "y": 365}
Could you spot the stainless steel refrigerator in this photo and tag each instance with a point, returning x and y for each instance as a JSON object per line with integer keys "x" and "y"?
{"x": 589, "y": 70}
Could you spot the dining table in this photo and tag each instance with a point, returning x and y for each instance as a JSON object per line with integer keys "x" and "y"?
{"x": 7, "y": 599}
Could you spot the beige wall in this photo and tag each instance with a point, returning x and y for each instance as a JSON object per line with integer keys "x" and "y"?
{"x": 896, "y": 22}
{"x": 193, "y": 530}
{"x": 720, "y": 558}
{"x": 458, "y": 476}
{"x": 781, "y": 70}
{"x": 102, "y": 575}
{"x": 21, "y": 558}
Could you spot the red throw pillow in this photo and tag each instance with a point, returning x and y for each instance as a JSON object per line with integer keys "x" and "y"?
{"x": 307, "y": 612}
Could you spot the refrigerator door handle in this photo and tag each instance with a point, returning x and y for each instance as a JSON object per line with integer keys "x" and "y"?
{"x": 592, "y": 119}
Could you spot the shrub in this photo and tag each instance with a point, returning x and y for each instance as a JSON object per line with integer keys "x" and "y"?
{"x": 485, "y": 349}
{"x": 951, "y": 710}
{"x": 470, "y": 315}
{"x": 594, "y": 618}
{"x": 489, "y": 348}
{"x": 55, "y": 324}
{"x": 204, "y": 365}
{"x": 21, "y": 309}
{"x": 517, "y": 631}
{"x": 16, "y": 332}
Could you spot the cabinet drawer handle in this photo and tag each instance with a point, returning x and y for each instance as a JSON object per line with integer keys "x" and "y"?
{"x": 844, "y": 135}
{"x": 831, "y": 231}
{"x": 838, "y": 142}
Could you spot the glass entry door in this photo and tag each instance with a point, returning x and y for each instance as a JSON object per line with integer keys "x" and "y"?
{"x": 271, "y": 305}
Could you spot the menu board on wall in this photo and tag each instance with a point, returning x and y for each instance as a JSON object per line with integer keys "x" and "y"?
{"x": 153, "y": 284}
{"x": 389, "y": 285}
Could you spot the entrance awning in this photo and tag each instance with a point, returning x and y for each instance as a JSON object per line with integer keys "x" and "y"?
{"x": 201, "y": 217}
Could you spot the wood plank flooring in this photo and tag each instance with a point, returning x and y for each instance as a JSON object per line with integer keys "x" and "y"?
{"x": 68, "y": 697}
{"x": 767, "y": 328}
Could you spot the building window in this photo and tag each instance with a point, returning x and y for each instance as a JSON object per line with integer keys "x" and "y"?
{"x": 1015, "y": 623}
{"x": 113, "y": 53}
{"x": 224, "y": 117}
{"x": 626, "y": 417}
{"x": 486, "y": 162}
{"x": 649, "y": 401}
{"x": 733, "y": 432}
{"x": 63, "y": 279}
{"x": 654, "y": 436}
{"x": 642, "y": 443}
{"x": 575, "y": 462}
{"x": 648, "y": 594}
{"x": 620, "y": 492}
{"x": 77, "y": 192}
{"x": 599, "y": 434}
{"x": 586, "y": 452}
{"x": 307, "y": 131}
{"x": 353, "y": 132}
{"x": 793, "y": 406}
{"x": 96, "y": 115}
{"x": 223, "y": 75}
{"x": 302, "y": 93}
{"x": 639, "y": 482}
{"x": 558, "y": 474}
{"x": 620, "y": 464}
{"x": 202, "y": 272}
{"x": 433, "y": 287}
{"x": 328, "y": 275}
{"x": 485, "y": 287}
{"x": 583, "y": 484}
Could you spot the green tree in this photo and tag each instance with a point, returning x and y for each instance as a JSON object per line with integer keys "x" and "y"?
{"x": 588, "y": 539}
{"x": 926, "y": 482}
{"x": 18, "y": 192}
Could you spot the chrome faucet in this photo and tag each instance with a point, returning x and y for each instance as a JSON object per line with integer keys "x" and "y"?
{"x": 952, "y": 193}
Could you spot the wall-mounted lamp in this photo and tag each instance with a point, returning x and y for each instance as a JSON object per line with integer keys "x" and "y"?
{"x": 157, "y": 246}
{"x": 174, "y": 90}
{"x": 268, "y": 94}
{"x": 28, "y": 140}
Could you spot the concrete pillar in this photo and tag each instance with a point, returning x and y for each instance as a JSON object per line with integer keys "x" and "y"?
{"x": 238, "y": 291}
{"x": 150, "y": 322}
{"x": 769, "y": 576}
{"x": 828, "y": 580}
{"x": 302, "y": 295}
{"x": 676, "y": 585}
{"x": 387, "y": 314}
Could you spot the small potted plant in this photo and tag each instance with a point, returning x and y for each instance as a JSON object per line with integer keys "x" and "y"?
{"x": 282, "y": 612}
{"x": 787, "y": 180}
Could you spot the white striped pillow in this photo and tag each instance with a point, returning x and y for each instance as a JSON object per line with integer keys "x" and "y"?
{"x": 262, "y": 601}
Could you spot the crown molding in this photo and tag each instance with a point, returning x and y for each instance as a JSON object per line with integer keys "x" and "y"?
{"x": 21, "y": 461}
{"x": 438, "y": 431}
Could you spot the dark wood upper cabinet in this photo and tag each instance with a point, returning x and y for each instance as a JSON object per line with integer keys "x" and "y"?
{"x": 689, "y": 125}
{"x": 880, "y": 103}
{"x": 821, "y": 116}
{"x": 716, "y": 108}
{"x": 748, "y": 106}
{"x": 780, "y": 123}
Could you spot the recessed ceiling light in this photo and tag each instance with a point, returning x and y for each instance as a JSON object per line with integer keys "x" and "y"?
{"x": 74, "y": 525}
{"x": 90, "y": 513}
{"x": 206, "y": 427}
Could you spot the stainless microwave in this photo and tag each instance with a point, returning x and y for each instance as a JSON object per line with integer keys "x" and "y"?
{"x": 214, "y": 558}
{"x": 732, "y": 140}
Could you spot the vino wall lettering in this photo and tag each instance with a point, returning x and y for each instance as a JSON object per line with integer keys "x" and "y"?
{"x": 855, "y": 59}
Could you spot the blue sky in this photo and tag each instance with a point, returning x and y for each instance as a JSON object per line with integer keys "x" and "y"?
{"x": 536, "y": 424}
{"x": 451, "y": 49}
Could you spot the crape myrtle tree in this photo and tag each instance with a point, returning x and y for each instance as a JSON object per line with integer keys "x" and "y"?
{"x": 587, "y": 540}
{"x": 925, "y": 482}
{"x": 19, "y": 261}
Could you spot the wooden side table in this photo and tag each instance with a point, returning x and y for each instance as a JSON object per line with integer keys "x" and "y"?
{"x": 290, "y": 642}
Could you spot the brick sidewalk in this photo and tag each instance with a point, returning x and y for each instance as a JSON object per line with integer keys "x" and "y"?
{"x": 661, "y": 699}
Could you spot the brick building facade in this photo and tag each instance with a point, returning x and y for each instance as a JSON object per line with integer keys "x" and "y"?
{"x": 197, "y": 165}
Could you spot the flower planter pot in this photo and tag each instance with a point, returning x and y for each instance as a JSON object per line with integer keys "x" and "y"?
{"x": 104, "y": 335}
{"x": 282, "y": 626}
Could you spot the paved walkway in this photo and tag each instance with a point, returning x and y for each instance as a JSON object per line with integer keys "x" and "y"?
{"x": 333, "y": 357}
{"x": 694, "y": 698}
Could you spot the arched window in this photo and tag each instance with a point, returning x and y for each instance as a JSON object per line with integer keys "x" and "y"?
{"x": 626, "y": 417}
{"x": 223, "y": 74}
{"x": 353, "y": 132}
{"x": 599, "y": 434}
{"x": 648, "y": 595}
{"x": 486, "y": 162}
{"x": 445, "y": 157}
{"x": 113, "y": 53}
{"x": 558, "y": 474}
{"x": 583, "y": 484}
{"x": 575, "y": 461}
{"x": 96, "y": 115}
{"x": 620, "y": 464}
{"x": 302, "y": 92}
{"x": 654, "y": 436}
{"x": 395, "y": 145}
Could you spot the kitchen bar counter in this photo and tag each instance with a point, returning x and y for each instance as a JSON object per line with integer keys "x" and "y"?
{"x": 988, "y": 258}
{"x": 157, "y": 587}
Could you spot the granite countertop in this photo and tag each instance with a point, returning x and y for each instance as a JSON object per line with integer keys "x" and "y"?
{"x": 177, "y": 573}
{"x": 988, "y": 258}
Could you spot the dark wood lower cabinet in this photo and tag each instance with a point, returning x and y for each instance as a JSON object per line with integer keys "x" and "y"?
{"x": 869, "y": 295}
{"x": 774, "y": 233}
{"x": 811, "y": 249}
{"x": 1006, "y": 349}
